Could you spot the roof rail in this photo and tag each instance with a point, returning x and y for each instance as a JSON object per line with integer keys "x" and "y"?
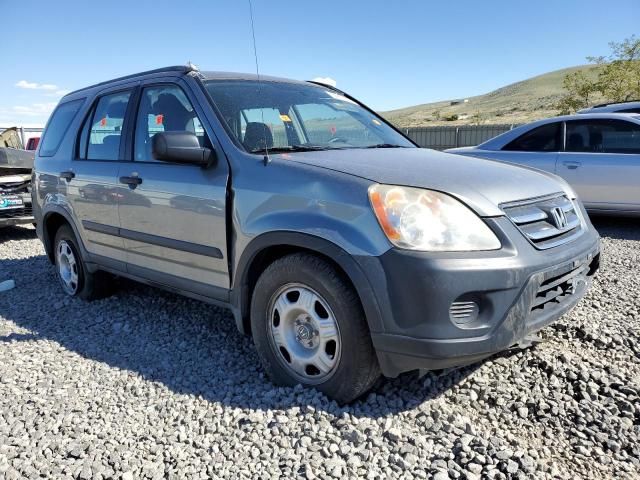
{"x": 613, "y": 103}
{"x": 173, "y": 68}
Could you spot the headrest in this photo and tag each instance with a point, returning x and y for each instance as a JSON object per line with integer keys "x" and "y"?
{"x": 257, "y": 136}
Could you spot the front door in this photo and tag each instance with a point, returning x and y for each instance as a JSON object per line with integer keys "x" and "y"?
{"x": 172, "y": 216}
{"x": 537, "y": 148}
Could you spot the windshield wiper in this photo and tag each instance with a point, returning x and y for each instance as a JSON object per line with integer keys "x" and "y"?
{"x": 290, "y": 148}
{"x": 385, "y": 145}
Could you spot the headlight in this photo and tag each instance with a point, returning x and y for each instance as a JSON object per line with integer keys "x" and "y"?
{"x": 430, "y": 221}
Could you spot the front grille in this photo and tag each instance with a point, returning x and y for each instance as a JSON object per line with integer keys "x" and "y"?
{"x": 555, "y": 290}
{"x": 14, "y": 188}
{"x": 546, "y": 222}
{"x": 25, "y": 211}
{"x": 14, "y": 184}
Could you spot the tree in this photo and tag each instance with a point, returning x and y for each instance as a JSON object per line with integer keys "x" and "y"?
{"x": 617, "y": 79}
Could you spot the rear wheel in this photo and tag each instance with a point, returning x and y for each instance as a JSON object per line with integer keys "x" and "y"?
{"x": 309, "y": 328}
{"x": 75, "y": 279}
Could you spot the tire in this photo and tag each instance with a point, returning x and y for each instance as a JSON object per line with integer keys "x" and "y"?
{"x": 322, "y": 328}
{"x": 72, "y": 273}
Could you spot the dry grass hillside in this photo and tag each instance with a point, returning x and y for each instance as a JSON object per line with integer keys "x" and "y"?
{"x": 519, "y": 102}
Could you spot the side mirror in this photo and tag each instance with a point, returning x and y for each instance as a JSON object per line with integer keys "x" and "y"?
{"x": 181, "y": 147}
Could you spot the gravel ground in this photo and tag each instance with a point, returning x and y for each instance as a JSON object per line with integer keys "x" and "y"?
{"x": 147, "y": 384}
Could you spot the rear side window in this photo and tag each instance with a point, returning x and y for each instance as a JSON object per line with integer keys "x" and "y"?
{"x": 603, "y": 136}
{"x": 58, "y": 126}
{"x": 546, "y": 138}
{"x": 102, "y": 132}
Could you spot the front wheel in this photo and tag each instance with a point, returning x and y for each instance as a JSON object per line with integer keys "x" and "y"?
{"x": 309, "y": 328}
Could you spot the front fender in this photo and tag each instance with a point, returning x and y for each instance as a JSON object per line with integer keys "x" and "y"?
{"x": 240, "y": 294}
{"x": 352, "y": 228}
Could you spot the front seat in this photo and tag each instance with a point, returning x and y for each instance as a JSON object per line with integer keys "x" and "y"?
{"x": 257, "y": 136}
{"x": 175, "y": 116}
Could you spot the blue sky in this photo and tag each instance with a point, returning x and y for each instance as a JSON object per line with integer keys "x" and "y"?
{"x": 388, "y": 54}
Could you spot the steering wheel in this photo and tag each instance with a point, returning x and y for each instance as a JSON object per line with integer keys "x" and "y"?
{"x": 338, "y": 139}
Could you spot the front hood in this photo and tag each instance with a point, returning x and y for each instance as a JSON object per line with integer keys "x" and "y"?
{"x": 14, "y": 159}
{"x": 480, "y": 184}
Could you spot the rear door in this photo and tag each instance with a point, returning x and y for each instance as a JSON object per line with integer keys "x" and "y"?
{"x": 92, "y": 181}
{"x": 172, "y": 217}
{"x": 602, "y": 162}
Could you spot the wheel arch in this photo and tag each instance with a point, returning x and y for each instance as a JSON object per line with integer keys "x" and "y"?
{"x": 52, "y": 220}
{"x": 266, "y": 248}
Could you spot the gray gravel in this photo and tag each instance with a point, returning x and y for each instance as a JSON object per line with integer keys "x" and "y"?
{"x": 147, "y": 384}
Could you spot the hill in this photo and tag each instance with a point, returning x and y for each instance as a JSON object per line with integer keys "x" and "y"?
{"x": 519, "y": 102}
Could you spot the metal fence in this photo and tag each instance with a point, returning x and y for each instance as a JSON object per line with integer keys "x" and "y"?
{"x": 438, "y": 138}
{"x": 441, "y": 138}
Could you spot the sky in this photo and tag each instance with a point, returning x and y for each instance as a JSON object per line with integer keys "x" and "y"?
{"x": 388, "y": 54}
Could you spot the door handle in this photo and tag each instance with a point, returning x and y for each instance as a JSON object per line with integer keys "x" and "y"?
{"x": 133, "y": 182}
{"x": 571, "y": 165}
{"x": 68, "y": 175}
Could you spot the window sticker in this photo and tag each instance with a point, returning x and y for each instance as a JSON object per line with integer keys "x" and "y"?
{"x": 337, "y": 96}
{"x": 348, "y": 106}
{"x": 159, "y": 119}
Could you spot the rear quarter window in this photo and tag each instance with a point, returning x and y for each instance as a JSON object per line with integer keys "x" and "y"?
{"x": 57, "y": 127}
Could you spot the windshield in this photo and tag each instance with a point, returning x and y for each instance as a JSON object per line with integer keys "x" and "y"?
{"x": 279, "y": 116}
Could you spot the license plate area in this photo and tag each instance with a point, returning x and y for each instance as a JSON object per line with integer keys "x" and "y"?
{"x": 11, "y": 201}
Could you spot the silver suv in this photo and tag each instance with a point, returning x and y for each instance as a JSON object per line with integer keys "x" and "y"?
{"x": 341, "y": 247}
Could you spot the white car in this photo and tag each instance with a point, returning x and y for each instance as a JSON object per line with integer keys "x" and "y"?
{"x": 597, "y": 153}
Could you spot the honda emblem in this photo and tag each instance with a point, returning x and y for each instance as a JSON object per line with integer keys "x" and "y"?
{"x": 559, "y": 218}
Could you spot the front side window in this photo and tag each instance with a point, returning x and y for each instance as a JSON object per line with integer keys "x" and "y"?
{"x": 291, "y": 116}
{"x": 164, "y": 108}
{"x": 603, "y": 136}
{"x": 546, "y": 138}
{"x": 58, "y": 126}
{"x": 101, "y": 136}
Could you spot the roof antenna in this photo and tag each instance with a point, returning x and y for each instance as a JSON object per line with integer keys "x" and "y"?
{"x": 266, "y": 158}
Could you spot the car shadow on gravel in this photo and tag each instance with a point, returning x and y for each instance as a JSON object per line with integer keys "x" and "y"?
{"x": 16, "y": 233}
{"x": 187, "y": 346}
{"x": 619, "y": 228}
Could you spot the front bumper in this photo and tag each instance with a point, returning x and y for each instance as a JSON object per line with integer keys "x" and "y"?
{"x": 17, "y": 216}
{"x": 516, "y": 290}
